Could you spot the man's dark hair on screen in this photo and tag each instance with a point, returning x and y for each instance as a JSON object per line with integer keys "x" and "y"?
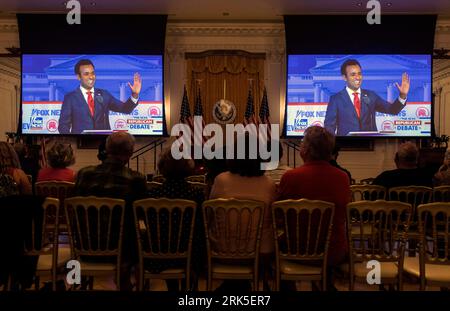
{"x": 82, "y": 62}
{"x": 349, "y": 62}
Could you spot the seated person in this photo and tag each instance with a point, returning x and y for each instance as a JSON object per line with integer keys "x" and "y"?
{"x": 407, "y": 172}
{"x": 59, "y": 157}
{"x": 13, "y": 179}
{"x": 112, "y": 178}
{"x": 442, "y": 177}
{"x": 175, "y": 186}
{"x": 245, "y": 180}
{"x": 317, "y": 179}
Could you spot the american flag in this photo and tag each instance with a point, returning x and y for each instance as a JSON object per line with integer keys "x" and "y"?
{"x": 249, "y": 117}
{"x": 185, "y": 115}
{"x": 185, "y": 112}
{"x": 264, "y": 113}
{"x": 198, "y": 111}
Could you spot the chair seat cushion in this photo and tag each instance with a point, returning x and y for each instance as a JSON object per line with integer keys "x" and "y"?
{"x": 231, "y": 269}
{"x": 45, "y": 261}
{"x": 388, "y": 269}
{"x": 434, "y": 273}
{"x": 291, "y": 267}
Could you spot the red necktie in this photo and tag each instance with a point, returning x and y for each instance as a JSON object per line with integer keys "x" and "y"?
{"x": 357, "y": 104}
{"x": 91, "y": 103}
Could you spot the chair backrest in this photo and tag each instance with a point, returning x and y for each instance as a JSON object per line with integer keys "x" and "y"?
{"x": 367, "y": 181}
{"x": 55, "y": 189}
{"x": 377, "y": 229}
{"x": 434, "y": 228}
{"x": 153, "y": 185}
{"x": 441, "y": 194}
{"x": 233, "y": 228}
{"x": 302, "y": 228}
{"x": 196, "y": 178}
{"x": 414, "y": 195}
{"x": 164, "y": 227}
{"x": 367, "y": 192}
{"x": 95, "y": 225}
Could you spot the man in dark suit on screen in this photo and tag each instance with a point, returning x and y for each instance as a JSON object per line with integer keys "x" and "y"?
{"x": 353, "y": 109}
{"x": 87, "y": 108}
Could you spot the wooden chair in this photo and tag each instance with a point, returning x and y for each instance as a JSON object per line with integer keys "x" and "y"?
{"x": 441, "y": 194}
{"x": 42, "y": 242}
{"x": 196, "y": 178}
{"x": 164, "y": 230}
{"x": 433, "y": 267}
{"x": 302, "y": 234}
{"x": 95, "y": 233}
{"x": 414, "y": 195}
{"x": 56, "y": 189}
{"x": 377, "y": 231}
{"x": 367, "y": 192}
{"x": 233, "y": 233}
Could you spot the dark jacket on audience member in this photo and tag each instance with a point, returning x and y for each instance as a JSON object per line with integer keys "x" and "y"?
{"x": 404, "y": 177}
{"x": 112, "y": 179}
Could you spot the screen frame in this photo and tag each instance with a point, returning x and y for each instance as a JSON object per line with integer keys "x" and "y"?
{"x": 20, "y": 123}
{"x": 351, "y": 138}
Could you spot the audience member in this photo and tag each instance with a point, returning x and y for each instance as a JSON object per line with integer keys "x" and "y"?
{"x": 333, "y": 161}
{"x": 12, "y": 179}
{"x": 317, "y": 179}
{"x": 246, "y": 181}
{"x": 407, "y": 173}
{"x": 175, "y": 186}
{"x": 442, "y": 177}
{"x": 29, "y": 158}
{"x": 113, "y": 179}
{"x": 59, "y": 157}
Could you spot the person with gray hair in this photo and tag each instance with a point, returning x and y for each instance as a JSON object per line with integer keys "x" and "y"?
{"x": 113, "y": 179}
{"x": 407, "y": 173}
{"x": 317, "y": 179}
{"x": 442, "y": 177}
{"x": 59, "y": 156}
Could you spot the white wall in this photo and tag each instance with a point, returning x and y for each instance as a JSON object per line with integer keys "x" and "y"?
{"x": 263, "y": 37}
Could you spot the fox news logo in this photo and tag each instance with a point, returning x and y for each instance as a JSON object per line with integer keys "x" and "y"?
{"x": 36, "y": 123}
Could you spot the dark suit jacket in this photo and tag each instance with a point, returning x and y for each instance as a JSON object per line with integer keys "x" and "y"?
{"x": 76, "y": 117}
{"x": 341, "y": 113}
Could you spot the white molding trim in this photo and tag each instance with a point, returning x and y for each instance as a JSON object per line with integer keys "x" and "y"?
{"x": 225, "y": 29}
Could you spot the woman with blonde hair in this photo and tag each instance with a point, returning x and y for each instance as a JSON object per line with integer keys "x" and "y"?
{"x": 10, "y": 166}
{"x": 59, "y": 157}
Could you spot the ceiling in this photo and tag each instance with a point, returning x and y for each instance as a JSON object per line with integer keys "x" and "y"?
{"x": 226, "y": 9}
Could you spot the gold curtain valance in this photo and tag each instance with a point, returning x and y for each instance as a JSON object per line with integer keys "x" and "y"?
{"x": 225, "y": 61}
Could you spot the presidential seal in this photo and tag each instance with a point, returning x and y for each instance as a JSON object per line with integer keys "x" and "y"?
{"x": 224, "y": 111}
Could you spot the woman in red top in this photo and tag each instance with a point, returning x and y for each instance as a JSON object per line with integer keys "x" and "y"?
{"x": 59, "y": 156}
{"x": 317, "y": 179}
